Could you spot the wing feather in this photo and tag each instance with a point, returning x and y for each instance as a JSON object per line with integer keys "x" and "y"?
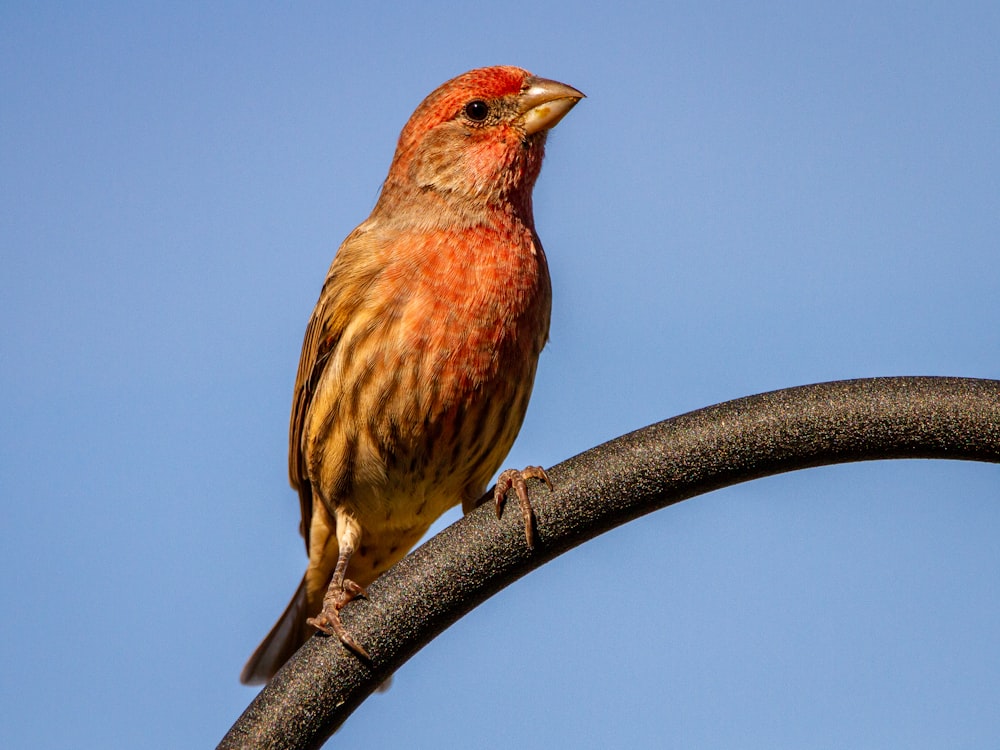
{"x": 342, "y": 293}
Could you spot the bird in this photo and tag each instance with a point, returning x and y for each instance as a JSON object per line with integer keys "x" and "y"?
{"x": 420, "y": 355}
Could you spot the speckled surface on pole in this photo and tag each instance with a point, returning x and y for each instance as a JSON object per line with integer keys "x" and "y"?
{"x": 733, "y": 442}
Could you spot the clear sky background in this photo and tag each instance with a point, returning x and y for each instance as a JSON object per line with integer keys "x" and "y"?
{"x": 753, "y": 196}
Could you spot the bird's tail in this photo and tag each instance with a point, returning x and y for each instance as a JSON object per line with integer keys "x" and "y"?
{"x": 288, "y": 633}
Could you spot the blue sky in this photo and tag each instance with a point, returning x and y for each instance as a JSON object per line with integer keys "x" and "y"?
{"x": 750, "y": 198}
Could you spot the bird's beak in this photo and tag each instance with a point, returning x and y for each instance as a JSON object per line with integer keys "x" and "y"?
{"x": 544, "y": 103}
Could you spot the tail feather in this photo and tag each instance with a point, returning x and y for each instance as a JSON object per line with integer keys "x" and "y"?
{"x": 285, "y": 638}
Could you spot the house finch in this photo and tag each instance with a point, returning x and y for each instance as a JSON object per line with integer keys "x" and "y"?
{"x": 419, "y": 358}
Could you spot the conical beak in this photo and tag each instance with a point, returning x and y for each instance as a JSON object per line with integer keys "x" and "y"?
{"x": 544, "y": 103}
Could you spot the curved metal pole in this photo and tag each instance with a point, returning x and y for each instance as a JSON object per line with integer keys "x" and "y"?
{"x": 623, "y": 479}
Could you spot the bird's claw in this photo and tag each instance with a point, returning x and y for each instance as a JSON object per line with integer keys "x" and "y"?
{"x": 516, "y": 479}
{"x": 328, "y": 620}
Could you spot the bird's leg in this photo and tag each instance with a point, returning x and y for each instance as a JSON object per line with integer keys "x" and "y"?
{"x": 515, "y": 479}
{"x": 341, "y": 590}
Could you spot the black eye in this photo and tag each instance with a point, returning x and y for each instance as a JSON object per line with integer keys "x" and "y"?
{"x": 477, "y": 110}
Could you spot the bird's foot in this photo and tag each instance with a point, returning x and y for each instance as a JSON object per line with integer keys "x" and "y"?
{"x": 515, "y": 479}
{"x": 328, "y": 620}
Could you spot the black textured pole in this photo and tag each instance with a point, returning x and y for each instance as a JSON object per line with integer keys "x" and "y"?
{"x": 630, "y": 476}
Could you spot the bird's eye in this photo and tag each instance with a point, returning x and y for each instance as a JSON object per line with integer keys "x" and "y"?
{"x": 477, "y": 110}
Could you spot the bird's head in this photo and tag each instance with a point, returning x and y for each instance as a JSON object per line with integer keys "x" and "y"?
{"x": 479, "y": 138}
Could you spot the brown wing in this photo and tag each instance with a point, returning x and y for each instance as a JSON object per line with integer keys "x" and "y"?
{"x": 322, "y": 334}
{"x": 350, "y": 273}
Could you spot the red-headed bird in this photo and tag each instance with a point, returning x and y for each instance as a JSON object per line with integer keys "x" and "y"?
{"x": 420, "y": 355}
